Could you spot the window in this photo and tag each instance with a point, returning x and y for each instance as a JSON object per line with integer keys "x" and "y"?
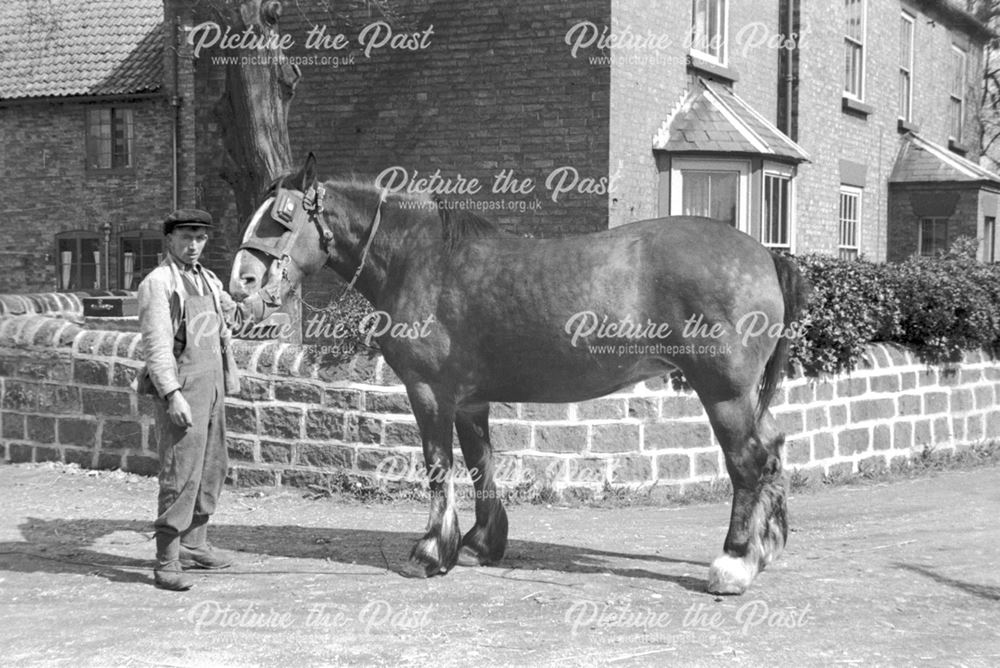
{"x": 714, "y": 188}
{"x": 906, "y": 24}
{"x": 776, "y": 218}
{"x": 848, "y": 247}
{"x": 990, "y": 239}
{"x": 78, "y": 256}
{"x": 708, "y": 29}
{"x": 933, "y": 236}
{"x": 109, "y": 138}
{"x": 957, "y": 100}
{"x": 854, "y": 48}
{"x": 139, "y": 253}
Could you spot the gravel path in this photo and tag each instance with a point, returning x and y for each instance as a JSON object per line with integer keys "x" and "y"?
{"x": 903, "y": 573}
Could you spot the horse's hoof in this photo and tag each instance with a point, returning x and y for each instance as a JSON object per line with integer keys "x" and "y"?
{"x": 418, "y": 570}
{"x": 729, "y": 576}
{"x": 468, "y": 557}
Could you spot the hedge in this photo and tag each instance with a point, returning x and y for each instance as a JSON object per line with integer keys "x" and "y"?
{"x": 938, "y": 307}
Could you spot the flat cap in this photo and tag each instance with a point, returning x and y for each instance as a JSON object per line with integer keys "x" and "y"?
{"x": 195, "y": 217}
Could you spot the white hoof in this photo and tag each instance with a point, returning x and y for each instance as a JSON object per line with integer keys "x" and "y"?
{"x": 729, "y": 575}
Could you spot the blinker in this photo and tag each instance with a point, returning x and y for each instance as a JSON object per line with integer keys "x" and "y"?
{"x": 284, "y": 208}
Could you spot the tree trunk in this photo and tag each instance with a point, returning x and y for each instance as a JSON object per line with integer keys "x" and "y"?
{"x": 252, "y": 113}
{"x": 252, "y": 117}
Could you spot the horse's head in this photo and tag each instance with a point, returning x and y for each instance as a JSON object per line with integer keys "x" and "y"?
{"x": 288, "y": 228}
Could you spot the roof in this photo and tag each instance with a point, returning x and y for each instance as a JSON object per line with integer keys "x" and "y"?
{"x": 713, "y": 119}
{"x": 97, "y": 47}
{"x": 922, "y": 161}
{"x": 954, "y": 13}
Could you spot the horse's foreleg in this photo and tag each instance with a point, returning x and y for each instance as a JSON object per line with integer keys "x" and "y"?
{"x": 758, "y": 525}
{"x": 486, "y": 542}
{"x": 437, "y": 551}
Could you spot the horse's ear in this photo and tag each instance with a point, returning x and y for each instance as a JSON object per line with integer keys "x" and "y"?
{"x": 309, "y": 172}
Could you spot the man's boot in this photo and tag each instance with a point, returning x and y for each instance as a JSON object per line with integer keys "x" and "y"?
{"x": 197, "y": 552}
{"x": 168, "y": 573}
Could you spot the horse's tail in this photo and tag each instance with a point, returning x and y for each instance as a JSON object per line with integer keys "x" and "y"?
{"x": 795, "y": 293}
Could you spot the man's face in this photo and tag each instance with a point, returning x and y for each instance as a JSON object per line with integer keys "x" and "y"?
{"x": 187, "y": 242}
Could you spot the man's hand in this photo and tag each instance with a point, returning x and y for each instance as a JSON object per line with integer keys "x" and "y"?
{"x": 179, "y": 410}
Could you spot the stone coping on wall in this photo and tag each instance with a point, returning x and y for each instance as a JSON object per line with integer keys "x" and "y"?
{"x": 62, "y": 304}
{"x": 303, "y": 416}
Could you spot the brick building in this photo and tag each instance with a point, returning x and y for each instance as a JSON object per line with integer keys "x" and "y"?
{"x": 807, "y": 125}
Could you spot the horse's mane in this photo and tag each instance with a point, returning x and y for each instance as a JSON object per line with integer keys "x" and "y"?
{"x": 457, "y": 224}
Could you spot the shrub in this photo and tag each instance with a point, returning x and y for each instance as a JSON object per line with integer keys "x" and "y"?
{"x": 948, "y": 304}
{"x": 850, "y": 306}
{"x": 939, "y": 307}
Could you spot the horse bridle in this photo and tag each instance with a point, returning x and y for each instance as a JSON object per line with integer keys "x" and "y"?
{"x": 293, "y": 210}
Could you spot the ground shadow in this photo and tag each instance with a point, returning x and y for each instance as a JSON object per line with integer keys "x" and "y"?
{"x": 988, "y": 592}
{"x": 75, "y": 546}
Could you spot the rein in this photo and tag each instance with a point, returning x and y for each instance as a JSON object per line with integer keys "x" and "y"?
{"x": 368, "y": 244}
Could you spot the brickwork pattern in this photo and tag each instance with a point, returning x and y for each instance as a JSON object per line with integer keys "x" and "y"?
{"x": 48, "y": 188}
{"x": 904, "y": 235}
{"x": 830, "y": 134}
{"x": 302, "y": 417}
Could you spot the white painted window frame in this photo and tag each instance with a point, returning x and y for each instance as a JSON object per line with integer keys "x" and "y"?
{"x": 723, "y": 57}
{"x": 680, "y": 165}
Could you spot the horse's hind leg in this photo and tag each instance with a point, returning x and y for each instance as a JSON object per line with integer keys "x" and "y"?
{"x": 437, "y": 551}
{"x": 485, "y": 543}
{"x": 758, "y": 526}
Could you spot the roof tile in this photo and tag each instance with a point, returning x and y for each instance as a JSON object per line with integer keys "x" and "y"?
{"x": 98, "y": 47}
{"x": 921, "y": 161}
{"x": 701, "y": 125}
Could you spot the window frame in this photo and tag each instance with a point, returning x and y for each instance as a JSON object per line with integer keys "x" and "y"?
{"x": 958, "y": 96}
{"x": 139, "y": 237}
{"x": 681, "y": 164}
{"x": 858, "y": 194}
{"x": 906, "y": 69}
{"x": 920, "y": 235}
{"x": 787, "y": 174}
{"x": 77, "y": 264}
{"x": 989, "y": 239}
{"x": 94, "y": 144}
{"x": 860, "y": 46}
{"x": 722, "y": 58}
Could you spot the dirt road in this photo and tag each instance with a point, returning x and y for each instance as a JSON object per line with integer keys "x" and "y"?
{"x": 903, "y": 573}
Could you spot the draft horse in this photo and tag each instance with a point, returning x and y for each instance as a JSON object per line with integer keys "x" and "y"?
{"x": 514, "y": 319}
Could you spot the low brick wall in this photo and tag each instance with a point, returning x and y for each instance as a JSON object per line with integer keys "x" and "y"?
{"x": 303, "y": 417}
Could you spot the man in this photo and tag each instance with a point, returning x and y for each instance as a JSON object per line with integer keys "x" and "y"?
{"x": 185, "y": 318}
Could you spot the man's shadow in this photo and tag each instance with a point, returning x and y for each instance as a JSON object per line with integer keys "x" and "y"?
{"x": 84, "y": 546}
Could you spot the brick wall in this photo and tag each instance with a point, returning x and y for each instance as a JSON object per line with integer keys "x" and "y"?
{"x": 494, "y": 90}
{"x": 47, "y": 188}
{"x": 647, "y": 84}
{"x": 64, "y": 397}
{"x": 830, "y": 134}
{"x": 904, "y": 233}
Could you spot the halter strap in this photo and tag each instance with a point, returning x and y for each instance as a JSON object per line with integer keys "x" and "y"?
{"x": 311, "y": 204}
{"x": 368, "y": 244}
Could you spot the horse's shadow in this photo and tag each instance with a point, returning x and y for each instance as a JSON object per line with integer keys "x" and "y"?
{"x": 74, "y": 546}
{"x": 984, "y": 591}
